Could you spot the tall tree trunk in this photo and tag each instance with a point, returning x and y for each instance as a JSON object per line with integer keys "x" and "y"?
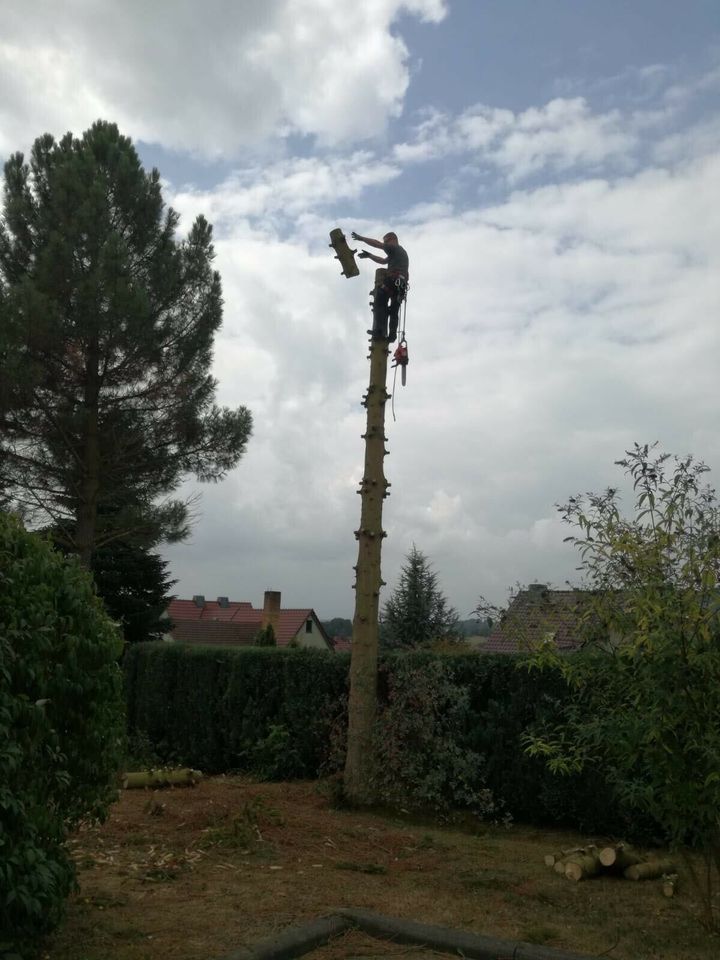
{"x": 90, "y": 481}
{"x": 363, "y": 666}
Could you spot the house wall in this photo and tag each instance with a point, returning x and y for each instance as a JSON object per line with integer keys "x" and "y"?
{"x": 313, "y": 639}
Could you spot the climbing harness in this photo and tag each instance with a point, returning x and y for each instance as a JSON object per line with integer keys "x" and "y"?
{"x": 400, "y": 357}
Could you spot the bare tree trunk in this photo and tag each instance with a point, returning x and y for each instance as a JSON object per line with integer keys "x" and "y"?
{"x": 363, "y": 667}
{"x": 90, "y": 482}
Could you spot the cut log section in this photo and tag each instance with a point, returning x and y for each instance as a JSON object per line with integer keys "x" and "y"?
{"x": 619, "y": 857}
{"x": 552, "y": 858}
{"x": 581, "y": 866}
{"x": 650, "y": 870}
{"x": 669, "y": 884}
{"x": 344, "y": 254}
{"x": 161, "y": 778}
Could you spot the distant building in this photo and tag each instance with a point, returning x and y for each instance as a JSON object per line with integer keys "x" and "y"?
{"x": 539, "y": 615}
{"x": 231, "y": 622}
{"x": 342, "y": 644}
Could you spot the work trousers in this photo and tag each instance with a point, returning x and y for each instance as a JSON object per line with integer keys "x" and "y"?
{"x": 386, "y": 307}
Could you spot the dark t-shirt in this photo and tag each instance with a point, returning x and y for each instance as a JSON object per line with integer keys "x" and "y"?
{"x": 398, "y": 260}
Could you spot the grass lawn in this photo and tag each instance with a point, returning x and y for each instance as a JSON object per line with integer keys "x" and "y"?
{"x": 192, "y": 874}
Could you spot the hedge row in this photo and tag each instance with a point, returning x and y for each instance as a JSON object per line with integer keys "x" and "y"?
{"x": 262, "y": 709}
{"x": 273, "y": 711}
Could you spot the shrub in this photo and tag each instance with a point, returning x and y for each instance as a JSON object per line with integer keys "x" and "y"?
{"x": 61, "y": 726}
{"x": 419, "y": 758}
{"x": 647, "y": 704}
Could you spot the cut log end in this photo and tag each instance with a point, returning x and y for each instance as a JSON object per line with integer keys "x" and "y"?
{"x": 669, "y": 885}
{"x": 582, "y": 866}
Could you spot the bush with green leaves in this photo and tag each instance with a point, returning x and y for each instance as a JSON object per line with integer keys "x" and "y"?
{"x": 419, "y": 758}
{"x": 61, "y": 726}
{"x": 646, "y": 706}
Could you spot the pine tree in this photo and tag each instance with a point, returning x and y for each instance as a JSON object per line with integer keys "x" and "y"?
{"x": 417, "y": 612}
{"x": 108, "y": 324}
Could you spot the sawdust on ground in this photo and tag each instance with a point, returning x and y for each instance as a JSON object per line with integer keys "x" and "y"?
{"x": 193, "y": 874}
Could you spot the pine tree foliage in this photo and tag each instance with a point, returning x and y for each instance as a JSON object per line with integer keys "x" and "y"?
{"x": 417, "y": 612}
{"x": 108, "y": 322}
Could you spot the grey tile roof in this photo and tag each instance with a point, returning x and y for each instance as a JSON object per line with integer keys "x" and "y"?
{"x": 539, "y": 614}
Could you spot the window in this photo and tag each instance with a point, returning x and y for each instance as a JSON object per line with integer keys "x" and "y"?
{"x": 308, "y": 626}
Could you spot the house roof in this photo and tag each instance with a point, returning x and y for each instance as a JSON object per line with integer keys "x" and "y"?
{"x": 208, "y": 631}
{"x": 211, "y": 617}
{"x": 342, "y": 644}
{"x": 539, "y": 614}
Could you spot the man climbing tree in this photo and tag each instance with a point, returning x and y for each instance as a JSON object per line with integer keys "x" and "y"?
{"x": 390, "y": 295}
{"x": 107, "y": 324}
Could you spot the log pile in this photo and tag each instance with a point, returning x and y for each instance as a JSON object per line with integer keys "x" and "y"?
{"x": 156, "y": 779}
{"x": 581, "y": 863}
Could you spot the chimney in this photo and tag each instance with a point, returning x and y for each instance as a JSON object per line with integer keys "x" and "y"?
{"x": 271, "y": 610}
{"x": 199, "y": 600}
{"x": 223, "y": 602}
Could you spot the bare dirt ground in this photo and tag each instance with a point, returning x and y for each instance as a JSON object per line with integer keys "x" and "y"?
{"x": 193, "y": 874}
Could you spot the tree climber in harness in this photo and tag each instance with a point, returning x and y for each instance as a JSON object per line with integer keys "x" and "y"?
{"x": 388, "y": 296}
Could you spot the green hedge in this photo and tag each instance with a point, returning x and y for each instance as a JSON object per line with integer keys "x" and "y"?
{"x": 272, "y": 712}
{"x": 261, "y": 709}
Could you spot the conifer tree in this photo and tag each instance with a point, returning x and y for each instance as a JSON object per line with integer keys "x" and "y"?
{"x": 418, "y": 611}
{"x": 108, "y": 322}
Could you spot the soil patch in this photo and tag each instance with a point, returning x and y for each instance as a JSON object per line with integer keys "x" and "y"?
{"x": 193, "y": 874}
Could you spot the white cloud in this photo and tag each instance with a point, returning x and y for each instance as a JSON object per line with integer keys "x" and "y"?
{"x": 286, "y": 189}
{"x": 547, "y": 333}
{"x": 210, "y": 79}
{"x": 559, "y": 136}
{"x": 548, "y": 328}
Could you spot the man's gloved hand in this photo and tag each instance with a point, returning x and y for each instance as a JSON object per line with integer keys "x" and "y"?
{"x": 363, "y": 255}
{"x": 355, "y": 236}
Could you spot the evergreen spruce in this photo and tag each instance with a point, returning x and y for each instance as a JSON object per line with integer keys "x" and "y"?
{"x": 265, "y": 637}
{"x": 108, "y": 322}
{"x": 418, "y": 613}
{"x": 133, "y": 583}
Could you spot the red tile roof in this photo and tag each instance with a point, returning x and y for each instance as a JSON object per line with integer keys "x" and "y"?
{"x": 207, "y": 631}
{"x": 241, "y": 614}
{"x": 342, "y": 644}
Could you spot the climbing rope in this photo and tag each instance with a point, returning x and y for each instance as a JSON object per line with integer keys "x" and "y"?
{"x": 401, "y": 341}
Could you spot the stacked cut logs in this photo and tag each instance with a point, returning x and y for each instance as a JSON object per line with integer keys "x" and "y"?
{"x": 581, "y": 863}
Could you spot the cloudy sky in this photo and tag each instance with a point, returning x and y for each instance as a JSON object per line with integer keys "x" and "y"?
{"x": 551, "y": 166}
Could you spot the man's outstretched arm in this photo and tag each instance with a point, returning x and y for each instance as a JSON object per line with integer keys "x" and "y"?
{"x": 368, "y": 240}
{"x": 371, "y": 256}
